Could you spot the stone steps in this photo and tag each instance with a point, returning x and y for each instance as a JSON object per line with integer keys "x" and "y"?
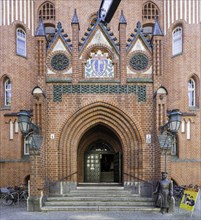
{"x": 98, "y": 198}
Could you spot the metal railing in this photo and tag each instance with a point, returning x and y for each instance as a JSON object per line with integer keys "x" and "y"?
{"x": 66, "y": 177}
{"x": 137, "y": 178}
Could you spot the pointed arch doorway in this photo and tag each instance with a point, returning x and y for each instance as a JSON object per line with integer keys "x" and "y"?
{"x": 100, "y": 156}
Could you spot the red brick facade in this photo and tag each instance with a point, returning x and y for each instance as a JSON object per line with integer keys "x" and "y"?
{"x": 123, "y": 110}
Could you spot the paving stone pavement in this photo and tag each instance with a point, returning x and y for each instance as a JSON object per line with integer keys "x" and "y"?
{"x": 19, "y": 212}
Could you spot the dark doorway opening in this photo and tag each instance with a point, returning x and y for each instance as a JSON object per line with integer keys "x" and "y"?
{"x": 101, "y": 162}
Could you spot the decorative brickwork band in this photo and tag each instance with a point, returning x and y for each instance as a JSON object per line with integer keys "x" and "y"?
{"x": 58, "y": 90}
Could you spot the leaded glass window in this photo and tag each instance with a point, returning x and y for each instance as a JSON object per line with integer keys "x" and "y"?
{"x": 21, "y": 42}
{"x": 99, "y": 65}
{"x": 26, "y": 146}
{"x": 177, "y": 41}
{"x": 174, "y": 148}
{"x": 7, "y": 92}
{"x": 191, "y": 93}
{"x": 150, "y": 11}
{"x": 47, "y": 11}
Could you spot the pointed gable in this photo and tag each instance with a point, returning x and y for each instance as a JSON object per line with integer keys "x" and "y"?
{"x": 138, "y": 46}
{"x": 98, "y": 38}
{"x": 139, "y": 40}
{"x": 60, "y": 41}
{"x": 59, "y": 46}
{"x": 99, "y": 34}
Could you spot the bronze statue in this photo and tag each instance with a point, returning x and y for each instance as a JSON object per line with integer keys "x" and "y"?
{"x": 164, "y": 191}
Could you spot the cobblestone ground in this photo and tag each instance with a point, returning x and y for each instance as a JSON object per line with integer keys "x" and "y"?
{"x": 19, "y": 212}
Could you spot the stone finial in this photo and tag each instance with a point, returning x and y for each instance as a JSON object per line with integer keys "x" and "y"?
{"x": 40, "y": 29}
{"x": 59, "y": 28}
{"x": 157, "y": 29}
{"x": 75, "y": 18}
{"x": 122, "y": 19}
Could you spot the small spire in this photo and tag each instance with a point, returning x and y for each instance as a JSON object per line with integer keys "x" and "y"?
{"x": 122, "y": 19}
{"x": 40, "y": 29}
{"x": 75, "y": 18}
{"x": 157, "y": 29}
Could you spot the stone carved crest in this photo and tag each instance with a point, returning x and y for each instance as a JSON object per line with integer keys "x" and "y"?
{"x": 99, "y": 66}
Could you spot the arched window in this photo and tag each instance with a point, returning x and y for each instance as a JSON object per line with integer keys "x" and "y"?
{"x": 177, "y": 41}
{"x": 150, "y": 11}
{"x": 174, "y": 148}
{"x": 21, "y": 41}
{"x": 191, "y": 92}
{"x": 7, "y": 92}
{"x": 47, "y": 11}
{"x": 26, "y": 145}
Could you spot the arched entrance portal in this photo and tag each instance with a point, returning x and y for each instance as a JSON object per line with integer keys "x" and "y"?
{"x": 100, "y": 121}
{"x": 99, "y": 156}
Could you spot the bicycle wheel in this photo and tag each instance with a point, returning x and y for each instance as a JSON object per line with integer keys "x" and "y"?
{"x": 23, "y": 195}
{"x": 8, "y": 200}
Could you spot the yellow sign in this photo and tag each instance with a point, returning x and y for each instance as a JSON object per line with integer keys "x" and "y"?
{"x": 189, "y": 199}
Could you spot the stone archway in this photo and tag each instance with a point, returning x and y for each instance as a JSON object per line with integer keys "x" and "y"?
{"x": 90, "y": 144}
{"x": 129, "y": 135}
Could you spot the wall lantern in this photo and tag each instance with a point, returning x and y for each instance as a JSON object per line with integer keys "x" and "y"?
{"x": 24, "y": 122}
{"x": 169, "y": 131}
{"x": 174, "y": 121}
{"x": 29, "y": 130}
{"x": 107, "y": 10}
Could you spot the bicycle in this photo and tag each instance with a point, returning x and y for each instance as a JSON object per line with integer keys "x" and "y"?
{"x": 12, "y": 196}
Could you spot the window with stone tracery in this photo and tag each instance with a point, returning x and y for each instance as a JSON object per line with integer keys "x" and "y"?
{"x": 47, "y": 11}
{"x": 99, "y": 65}
{"x": 150, "y": 11}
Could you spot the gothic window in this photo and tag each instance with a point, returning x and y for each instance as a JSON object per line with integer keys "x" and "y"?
{"x": 47, "y": 11}
{"x": 26, "y": 146}
{"x": 177, "y": 41}
{"x": 99, "y": 65}
{"x": 150, "y": 11}
{"x": 174, "y": 149}
{"x": 7, "y": 92}
{"x": 21, "y": 42}
{"x": 191, "y": 93}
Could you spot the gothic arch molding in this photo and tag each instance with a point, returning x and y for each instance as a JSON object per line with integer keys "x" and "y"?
{"x": 130, "y": 136}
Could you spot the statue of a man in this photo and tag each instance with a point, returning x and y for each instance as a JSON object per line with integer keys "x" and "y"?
{"x": 164, "y": 191}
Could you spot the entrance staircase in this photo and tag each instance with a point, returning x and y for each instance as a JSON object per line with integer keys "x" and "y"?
{"x": 99, "y": 198}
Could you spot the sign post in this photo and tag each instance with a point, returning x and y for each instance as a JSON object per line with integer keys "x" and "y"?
{"x": 189, "y": 199}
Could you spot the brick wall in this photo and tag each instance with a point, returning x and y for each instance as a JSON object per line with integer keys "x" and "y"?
{"x": 122, "y": 114}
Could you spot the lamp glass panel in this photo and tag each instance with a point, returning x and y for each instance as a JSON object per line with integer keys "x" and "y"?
{"x": 24, "y": 123}
{"x": 174, "y": 121}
